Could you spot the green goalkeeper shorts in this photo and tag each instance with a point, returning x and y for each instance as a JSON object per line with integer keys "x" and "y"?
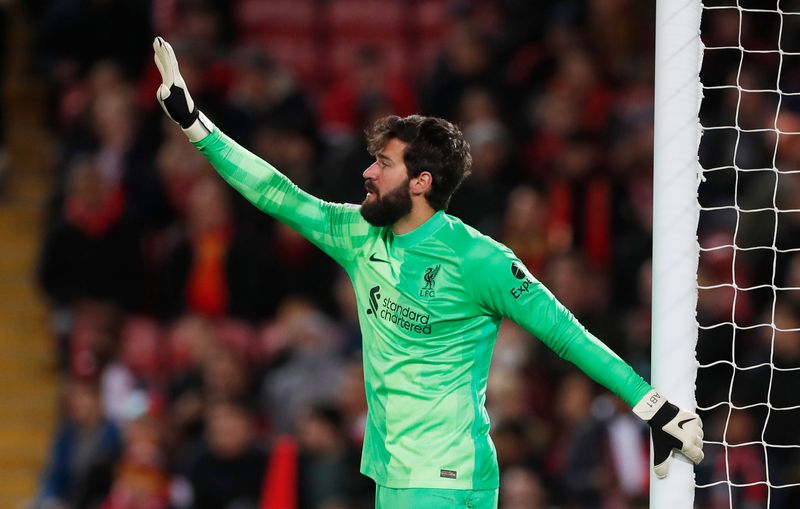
{"x": 430, "y": 498}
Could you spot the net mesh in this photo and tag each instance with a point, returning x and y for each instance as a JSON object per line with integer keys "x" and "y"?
{"x": 748, "y": 351}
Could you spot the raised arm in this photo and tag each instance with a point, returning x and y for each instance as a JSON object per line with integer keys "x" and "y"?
{"x": 505, "y": 287}
{"x": 336, "y": 228}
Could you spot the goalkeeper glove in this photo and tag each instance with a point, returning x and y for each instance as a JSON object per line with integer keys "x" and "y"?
{"x": 174, "y": 97}
{"x": 672, "y": 429}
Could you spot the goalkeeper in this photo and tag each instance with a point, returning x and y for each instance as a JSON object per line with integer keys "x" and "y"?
{"x": 431, "y": 293}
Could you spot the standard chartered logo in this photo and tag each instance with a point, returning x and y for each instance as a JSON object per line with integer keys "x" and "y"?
{"x": 374, "y": 295}
{"x": 403, "y": 317}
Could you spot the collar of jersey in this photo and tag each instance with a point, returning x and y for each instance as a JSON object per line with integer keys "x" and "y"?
{"x": 422, "y": 232}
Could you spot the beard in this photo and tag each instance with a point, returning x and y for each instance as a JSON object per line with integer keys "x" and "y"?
{"x": 386, "y": 210}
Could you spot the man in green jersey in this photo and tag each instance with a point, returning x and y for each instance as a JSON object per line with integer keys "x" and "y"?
{"x": 432, "y": 292}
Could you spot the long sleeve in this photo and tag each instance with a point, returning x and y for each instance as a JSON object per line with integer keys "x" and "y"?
{"x": 337, "y": 229}
{"x": 506, "y": 288}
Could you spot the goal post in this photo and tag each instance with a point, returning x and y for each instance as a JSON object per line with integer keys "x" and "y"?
{"x": 678, "y": 57}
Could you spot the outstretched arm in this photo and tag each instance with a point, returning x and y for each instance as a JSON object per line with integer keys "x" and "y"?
{"x": 508, "y": 289}
{"x": 337, "y": 229}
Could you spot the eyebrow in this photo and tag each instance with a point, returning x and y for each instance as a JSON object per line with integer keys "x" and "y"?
{"x": 384, "y": 158}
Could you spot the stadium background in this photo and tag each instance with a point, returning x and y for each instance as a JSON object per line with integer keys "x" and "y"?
{"x": 162, "y": 338}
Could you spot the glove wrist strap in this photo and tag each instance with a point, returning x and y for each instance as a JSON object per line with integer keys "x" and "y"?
{"x": 651, "y": 403}
{"x": 199, "y": 129}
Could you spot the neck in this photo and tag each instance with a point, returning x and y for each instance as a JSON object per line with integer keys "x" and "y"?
{"x": 420, "y": 212}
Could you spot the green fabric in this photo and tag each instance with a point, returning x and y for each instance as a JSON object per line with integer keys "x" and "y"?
{"x": 430, "y": 305}
{"x": 436, "y": 498}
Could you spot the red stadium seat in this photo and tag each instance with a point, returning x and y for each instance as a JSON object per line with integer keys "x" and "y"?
{"x": 353, "y": 24}
{"x": 284, "y": 18}
{"x": 342, "y": 53}
{"x": 298, "y": 55}
{"x": 429, "y": 18}
{"x": 373, "y": 18}
{"x": 287, "y": 29}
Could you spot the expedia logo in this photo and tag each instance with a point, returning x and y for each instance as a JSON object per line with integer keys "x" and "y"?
{"x": 520, "y": 272}
{"x": 403, "y": 317}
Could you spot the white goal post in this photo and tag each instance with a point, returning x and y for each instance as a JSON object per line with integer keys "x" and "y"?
{"x": 675, "y": 218}
{"x": 726, "y": 246}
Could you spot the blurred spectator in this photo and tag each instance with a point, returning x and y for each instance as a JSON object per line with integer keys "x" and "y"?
{"x": 141, "y": 479}
{"x": 340, "y": 174}
{"x": 607, "y": 458}
{"x": 91, "y": 250}
{"x": 206, "y": 23}
{"x": 328, "y": 462}
{"x": 347, "y": 313}
{"x": 583, "y": 291}
{"x": 136, "y": 367}
{"x": 778, "y": 344}
{"x": 108, "y": 126}
{"x": 229, "y": 467}
{"x": 637, "y": 323}
{"x": 525, "y": 228}
{"x": 264, "y": 94}
{"x": 93, "y": 339}
{"x": 572, "y": 412}
{"x": 180, "y": 167}
{"x": 352, "y": 401}
{"x": 521, "y": 488}
{"x": 76, "y": 101}
{"x": 214, "y": 269}
{"x": 223, "y": 377}
{"x": 514, "y": 441}
{"x": 311, "y": 367}
{"x": 622, "y": 40}
{"x": 367, "y": 80}
{"x": 481, "y": 198}
{"x": 298, "y": 269}
{"x": 73, "y": 35}
{"x": 293, "y": 149}
{"x": 739, "y": 462}
{"x": 83, "y": 455}
{"x": 507, "y": 397}
{"x": 465, "y": 62}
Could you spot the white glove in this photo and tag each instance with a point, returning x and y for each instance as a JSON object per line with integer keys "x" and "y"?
{"x": 173, "y": 95}
{"x": 673, "y": 429}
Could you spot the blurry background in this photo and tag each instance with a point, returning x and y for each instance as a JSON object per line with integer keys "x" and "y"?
{"x": 166, "y": 345}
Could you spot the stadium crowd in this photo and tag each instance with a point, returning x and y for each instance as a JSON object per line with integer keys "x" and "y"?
{"x": 210, "y": 355}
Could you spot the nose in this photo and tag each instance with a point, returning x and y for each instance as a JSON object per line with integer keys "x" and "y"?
{"x": 371, "y": 171}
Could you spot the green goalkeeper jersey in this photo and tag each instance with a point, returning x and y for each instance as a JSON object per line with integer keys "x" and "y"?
{"x": 430, "y": 305}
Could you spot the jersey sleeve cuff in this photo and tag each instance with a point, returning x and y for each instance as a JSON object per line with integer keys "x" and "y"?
{"x": 201, "y": 128}
{"x": 647, "y": 407}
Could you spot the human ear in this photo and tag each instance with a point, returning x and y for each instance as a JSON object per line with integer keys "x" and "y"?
{"x": 421, "y": 183}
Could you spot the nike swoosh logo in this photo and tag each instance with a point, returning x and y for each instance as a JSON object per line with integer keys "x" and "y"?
{"x": 373, "y": 258}
{"x": 680, "y": 424}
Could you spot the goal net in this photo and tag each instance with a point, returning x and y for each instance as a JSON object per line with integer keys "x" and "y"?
{"x": 748, "y": 310}
{"x": 747, "y": 218}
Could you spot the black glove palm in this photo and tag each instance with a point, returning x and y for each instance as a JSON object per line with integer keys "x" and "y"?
{"x": 673, "y": 429}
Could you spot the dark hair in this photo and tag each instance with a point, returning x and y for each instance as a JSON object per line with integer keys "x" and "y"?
{"x": 434, "y": 145}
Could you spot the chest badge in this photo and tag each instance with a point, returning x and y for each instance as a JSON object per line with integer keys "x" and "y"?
{"x": 430, "y": 281}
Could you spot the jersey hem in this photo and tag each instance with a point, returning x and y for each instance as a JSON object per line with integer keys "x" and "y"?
{"x": 452, "y": 484}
